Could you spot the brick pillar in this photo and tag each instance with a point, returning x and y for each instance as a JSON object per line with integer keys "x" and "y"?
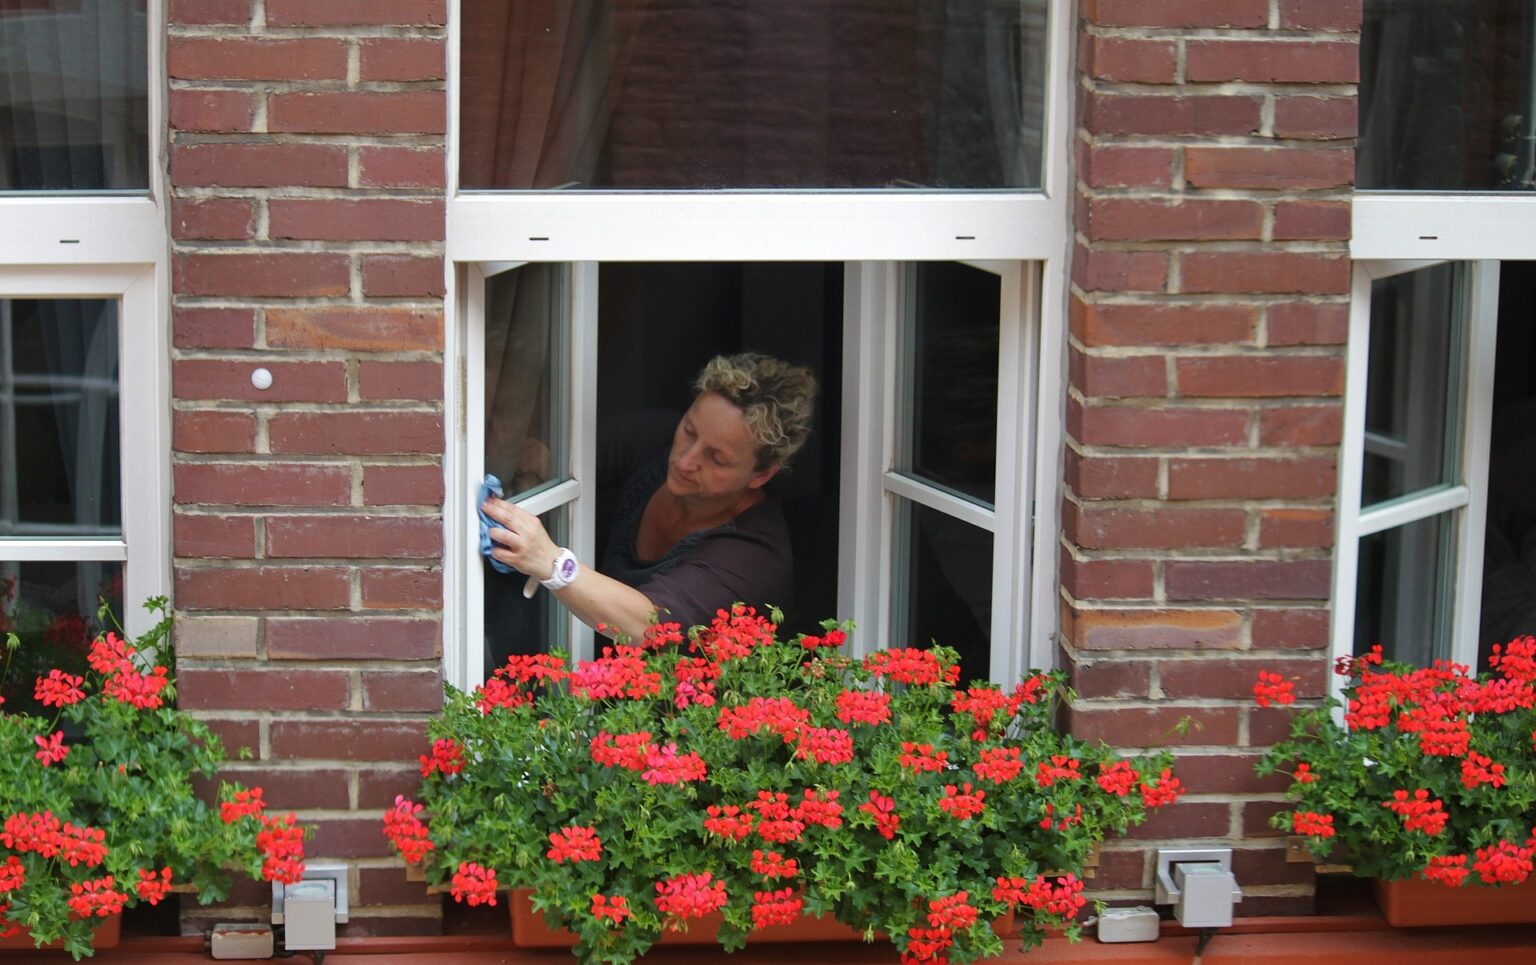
{"x": 1208, "y": 315}
{"x": 307, "y": 176}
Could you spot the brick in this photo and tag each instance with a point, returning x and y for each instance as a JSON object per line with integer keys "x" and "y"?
{"x": 1317, "y": 118}
{"x": 265, "y": 689}
{"x": 200, "y": 12}
{"x": 217, "y": 637}
{"x": 1109, "y": 477}
{"x": 402, "y": 276}
{"x": 1157, "y": 629}
{"x": 1125, "y": 167}
{"x": 235, "y": 735}
{"x": 357, "y": 433}
{"x": 1271, "y": 726}
{"x": 1155, "y": 427}
{"x": 212, "y": 219}
{"x": 416, "y": 381}
{"x": 262, "y": 484}
{"x": 1310, "y": 425}
{"x": 259, "y": 165}
{"x": 221, "y": 379}
{"x": 1312, "y": 221}
{"x": 402, "y": 59}
{"x": 353, "y": 638}
{"x": 1161, "y": 726}
{"x": 420, "y": 690}
{"x": 213, "y": 327}
{"x": 402, "y": 486}
{"x": 1345, "y": 15}
{"x": 1248, "y": 579}
{"x": 1269, "y": 867}
{"x": 1290, "y": 629}
{"x": 402, "y": 589}
{"x": 1111, "y": 678}
{"x": 1269, "y": 168}
{"x": 1154, "y": 528}
{"x": 348, "y": 13}
{"x": 1307, "y": 323}
{"x": 397, "y": 112}
{"x": 215, "y": 536}
{"x": 401, "y": 167}
{"x": 378, "y": 787}
{"x": 354, "y": 537}
{"x": 1179, "y": 13}
{"x": 1226, "y": 772}
{"x": 367, "y": 220}
{"x": 212, "y": 431}
{"x": 388, "y": 886}
{"x": 1256, "y": 815}
{"x": 246, "y": 58}
{"x": 1107, "y": 579}
{"x": 369, "y": 328}
{"x": 1140, "y": 271}
{"x": 1167, "y": 114}
{"x": 1234, "y": 679}
{"x": 347, "y": 838}
{"x": 211, "y": 110}
{"x": 1135, "y": 219}
{"x": 1253, "y": 478}
{"x": 1296, "y": 528}
{"x": 310, "y": 274}
{"x": 1260, "y": 376}
{"x": 1122, "y": 869}
{"x": 1272, "y": 61}
{"x": 1269, "y": 272}
{"x": 1128, "y": 60}
{"x": 1108, "y": 325}
{"x": 263, "y": 588}
{"x": 1118, "y": 377}
{"x": 286, "y": 788}
{"x": 371, "y": 739}
{"x": 1189, "y": 819}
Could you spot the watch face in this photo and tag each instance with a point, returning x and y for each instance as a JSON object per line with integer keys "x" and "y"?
{"x": 567, "y": 568}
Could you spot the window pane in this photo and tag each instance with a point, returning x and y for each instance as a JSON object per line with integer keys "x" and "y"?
{"x": 1446, "y": 95}
{"x": 1412, "y": 407}
{"x": 948, "y": 392}
{"x": 942, "y": 588}
{"x": 517, "y": 624}
{"x": 629, "y": 94}
{"x": 74, "y": 108}
{"x": 52, "y": 608}
{"x": 1404, "y": 589}
{"x": 59, "y": 433}
{"x": 525, "y": 334}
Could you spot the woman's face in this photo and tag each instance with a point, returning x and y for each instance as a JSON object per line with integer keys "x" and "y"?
{"x": 713, "y": 454}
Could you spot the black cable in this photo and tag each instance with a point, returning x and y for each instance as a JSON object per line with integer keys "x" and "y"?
{"x": 1206, "y": 934}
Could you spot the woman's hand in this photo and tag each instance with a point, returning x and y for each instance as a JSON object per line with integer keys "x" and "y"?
{"x": 520, "y": 540}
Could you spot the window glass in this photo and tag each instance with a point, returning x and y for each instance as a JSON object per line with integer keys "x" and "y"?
{"x": 51, "y": 607}
{"x": 525, "y": 331}
{"x": 59, "y": 430}
{"x": 942, "y": 591}
{"x": 74, "y": 108}
{"x": 1448, "y": 95}
{"x": 515, "y": 624}
{"x": 716, "y": 94}
{"x": 949, "y": 390}
{"x": 1412, "y": 386}
{"x": 1404, "y": 590}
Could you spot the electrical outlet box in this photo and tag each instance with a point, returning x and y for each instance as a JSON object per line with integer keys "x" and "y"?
{"x": 309, "y": 915}
{"x": 241, "y": 941}
{"x": 334, "y": 873}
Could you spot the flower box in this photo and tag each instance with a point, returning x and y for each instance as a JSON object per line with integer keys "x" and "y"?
{"x": 105, "y": 933}
{"x": 1416, "y": 902}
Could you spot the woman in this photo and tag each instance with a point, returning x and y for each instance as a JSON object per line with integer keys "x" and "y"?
{"x": 693, "y": 531}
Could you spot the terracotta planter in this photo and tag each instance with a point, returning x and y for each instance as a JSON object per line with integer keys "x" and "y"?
{"x": 108, "y": 932}
{"x": 1414, "y": 901}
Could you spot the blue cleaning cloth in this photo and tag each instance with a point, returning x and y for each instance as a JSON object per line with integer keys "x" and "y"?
{"x": 490, "y": 487}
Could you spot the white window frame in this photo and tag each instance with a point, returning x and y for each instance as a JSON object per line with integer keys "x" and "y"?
{"x": 113, "y": 246}
{"x": 1026, "y": 233}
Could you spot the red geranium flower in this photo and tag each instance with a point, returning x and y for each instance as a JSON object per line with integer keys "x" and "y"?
{"x": 474, "y": 885}
{"x": 59, "y": 689}
{"x": 574, "y": 844}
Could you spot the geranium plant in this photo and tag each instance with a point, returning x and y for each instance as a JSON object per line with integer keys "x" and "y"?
{"x": 729, "y": 771}
{"x": 1420, "y": 772}
{"x": 97, "y": 800}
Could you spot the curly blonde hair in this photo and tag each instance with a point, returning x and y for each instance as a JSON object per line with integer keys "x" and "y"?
{"x": 775, "y": 397}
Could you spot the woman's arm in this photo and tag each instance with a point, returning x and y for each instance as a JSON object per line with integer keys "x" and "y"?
{"x": 522, "y": 543}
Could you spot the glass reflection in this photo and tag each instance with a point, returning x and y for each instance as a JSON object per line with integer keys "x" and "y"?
{"x": 51, "y": 607}
{"x": 1403, "y": 591}
{"x": 942, "y": 592}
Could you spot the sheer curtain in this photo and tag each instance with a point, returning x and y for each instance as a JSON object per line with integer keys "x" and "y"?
{"x": 73, "y": 103}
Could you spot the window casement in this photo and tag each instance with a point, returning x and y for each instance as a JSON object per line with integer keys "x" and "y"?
{"x": 913, "y": 302}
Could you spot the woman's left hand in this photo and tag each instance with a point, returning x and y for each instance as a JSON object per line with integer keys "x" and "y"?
{"x": 520, "y": 540}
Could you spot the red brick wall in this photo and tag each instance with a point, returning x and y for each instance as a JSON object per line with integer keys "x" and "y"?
{"x": 307, "y": 173}
{"x": 1208, "y": 315}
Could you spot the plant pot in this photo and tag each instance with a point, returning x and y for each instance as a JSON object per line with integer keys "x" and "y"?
{"x": 1415, "y": 902}
{"x": 109, "y": 931}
